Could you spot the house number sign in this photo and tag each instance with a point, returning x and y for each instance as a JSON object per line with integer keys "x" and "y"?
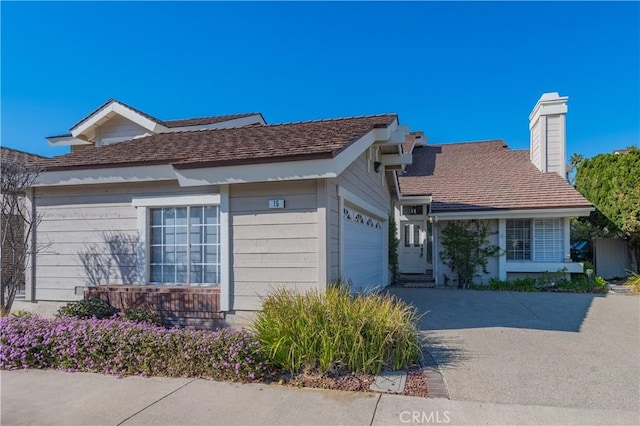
{"x": 276, "y": 204}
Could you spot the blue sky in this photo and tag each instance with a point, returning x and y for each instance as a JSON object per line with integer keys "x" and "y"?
{"x": 458, "y": 71}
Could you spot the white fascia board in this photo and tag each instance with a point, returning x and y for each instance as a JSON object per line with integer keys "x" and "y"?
{"x": 175, "y": 200}
{"x": 268, "y": 172}
{"x": 515, "y": 214}
{"x": 238, "y": 122}
{"x": 117, "y": 108}
{"x": 412, "y": 199}
{"x": 66, "y": 141}
{"x": 396, "y": 159}
{"x": 399, "y": 135}
{"x": 273, "y": 172}
{"x": 107, "y": 175}
{"x": 571, "y": 267}
{"x": 384, "y": 134}
{"x": 352, "y": 198}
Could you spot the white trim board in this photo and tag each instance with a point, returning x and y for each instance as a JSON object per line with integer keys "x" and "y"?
{"x": 176, "y": 200}
{"x": 106, "y": 175}
{"x": 352, "y": 198}
{"x": 513, "y": 214}
{"x": 115, "y": 107}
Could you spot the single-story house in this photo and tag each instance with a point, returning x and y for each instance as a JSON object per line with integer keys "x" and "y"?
{"x": 228, "y": 208}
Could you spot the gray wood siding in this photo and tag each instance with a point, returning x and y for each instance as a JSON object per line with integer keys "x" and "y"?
{"x": 333, "y": 232}
{"x": 118, "y": 129}
{"x": 555, "y": 144}
{"x": 97, "y": 221}
{"x": 272, "y": 248}
{"x": 536, "y": 154}
{"x": 364, "y": 183}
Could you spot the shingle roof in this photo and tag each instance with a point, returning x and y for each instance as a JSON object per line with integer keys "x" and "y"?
{"x": 168, "y": 123}
{"x": 222, "y": 147}
{"x": 484, "y": 175}
{"x": 205, "y": 120}
{"x": 95, "y": 111}
{"x": 17, "y": 155}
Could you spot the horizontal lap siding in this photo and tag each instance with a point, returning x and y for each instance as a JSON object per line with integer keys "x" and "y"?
{"x": 555, "y": 144}
{"x": 117, "y": 129}
{"x": 272, "y": 248}
{"x": 96, "y": 221}
{"x": 366, "y": 184}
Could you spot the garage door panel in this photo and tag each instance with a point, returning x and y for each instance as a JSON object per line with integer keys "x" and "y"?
{"x": 363, "y": 249}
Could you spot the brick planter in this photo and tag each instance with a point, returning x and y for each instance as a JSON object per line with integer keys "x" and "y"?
{"x": 191, "y": 307}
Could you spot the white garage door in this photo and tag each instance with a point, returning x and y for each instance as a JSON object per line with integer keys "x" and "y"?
{"x": 363, "y": 249}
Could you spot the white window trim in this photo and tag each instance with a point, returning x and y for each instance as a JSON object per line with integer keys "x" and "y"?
{"x": 143, "y": 205}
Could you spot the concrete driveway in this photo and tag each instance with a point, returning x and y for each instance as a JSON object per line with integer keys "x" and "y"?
{"x": 553, "y": 349}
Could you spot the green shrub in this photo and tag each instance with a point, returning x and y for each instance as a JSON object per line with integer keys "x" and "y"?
{"x": 142, "y": 315}
{"x": 22, "y": 314}
{"x": 85, "y": 309}
{"x": 634, "y": 282}
{"x": 333, "y": 330}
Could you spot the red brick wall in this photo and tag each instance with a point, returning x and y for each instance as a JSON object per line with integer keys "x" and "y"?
{"x": 185, "y": 306}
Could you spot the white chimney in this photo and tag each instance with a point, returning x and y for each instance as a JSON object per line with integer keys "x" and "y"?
{"x": 548, "y": 134}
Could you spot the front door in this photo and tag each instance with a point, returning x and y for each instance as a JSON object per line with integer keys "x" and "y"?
{"x": 411, "y": 251}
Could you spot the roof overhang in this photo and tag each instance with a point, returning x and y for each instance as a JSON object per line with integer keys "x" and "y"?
{"x": 85, "y": 128}
{"x": 522, "y": 213}
{"x": 248, "y": 173}
{"x": 65, "y": 140}
{"x": 227, "y": 124}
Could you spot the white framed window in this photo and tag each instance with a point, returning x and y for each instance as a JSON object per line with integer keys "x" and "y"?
{"x": 537, "y": 240}
{"x": 518, "y": 239}
{"x": 184, "y": 239}
{"x": 184, "y": 245}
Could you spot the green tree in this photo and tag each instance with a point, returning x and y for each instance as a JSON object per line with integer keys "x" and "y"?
{"x": 466, "y": 249}
{"x": 612, "y": 183}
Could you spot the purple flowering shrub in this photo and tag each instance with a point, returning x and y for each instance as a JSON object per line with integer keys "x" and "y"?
{"x": 122, "y": 348}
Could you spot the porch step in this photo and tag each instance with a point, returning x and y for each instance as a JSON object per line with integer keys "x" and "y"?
{"x": 416, "y": 281}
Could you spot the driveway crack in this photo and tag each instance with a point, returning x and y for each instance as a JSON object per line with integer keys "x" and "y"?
{"x": 375, "y": 410}
{"x": 524, "y": 306}
{"x": 156, "y": 401}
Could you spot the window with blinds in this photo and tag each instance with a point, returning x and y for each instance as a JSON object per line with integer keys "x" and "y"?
{"x": 548, "y": 240}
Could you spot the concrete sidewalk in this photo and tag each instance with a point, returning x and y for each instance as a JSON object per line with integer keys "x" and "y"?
{"x": 46, "y": 397}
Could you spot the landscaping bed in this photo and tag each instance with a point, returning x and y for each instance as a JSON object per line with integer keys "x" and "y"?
{"x": 328, "y": 340}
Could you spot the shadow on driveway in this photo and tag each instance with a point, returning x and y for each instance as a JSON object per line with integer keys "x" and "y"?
{"x": 452, "y": 309}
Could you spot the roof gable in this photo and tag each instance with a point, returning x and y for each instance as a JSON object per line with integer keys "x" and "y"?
{"x": 85, "y": 128}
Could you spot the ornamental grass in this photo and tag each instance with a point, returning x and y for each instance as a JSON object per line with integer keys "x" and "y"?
{"x": 118, "y": 347}
{"x": 336, "y": 331}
